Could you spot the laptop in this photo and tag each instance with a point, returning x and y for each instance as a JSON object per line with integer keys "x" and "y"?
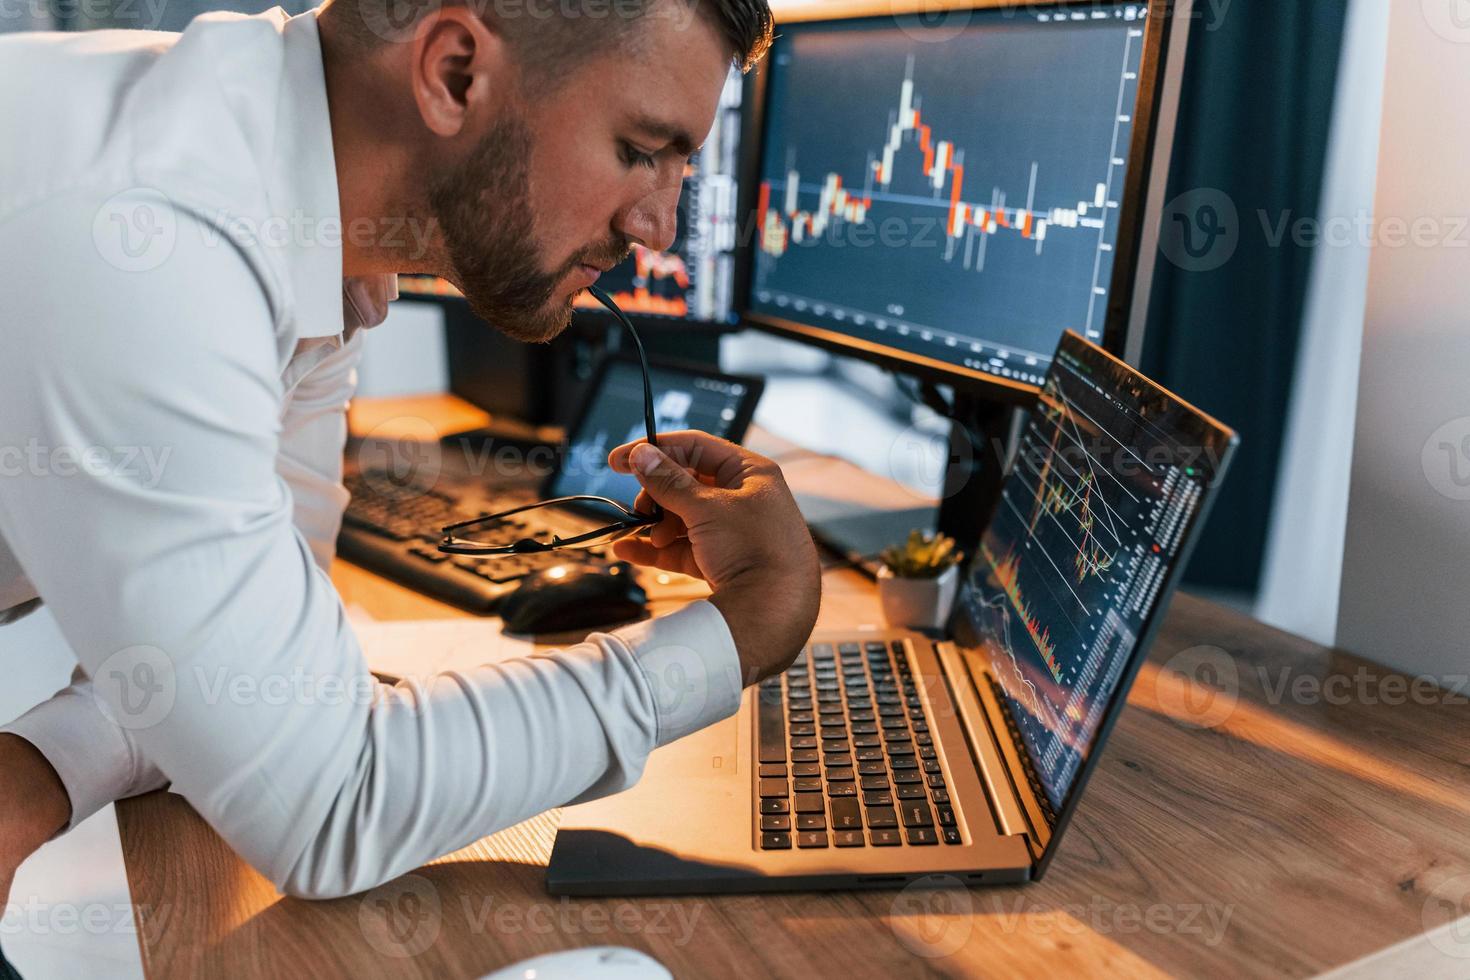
{"x": 392, "y": 524}
{"x": 885, "y": 756}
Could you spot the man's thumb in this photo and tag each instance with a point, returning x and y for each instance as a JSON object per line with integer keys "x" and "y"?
{"x": 666, "y": 481}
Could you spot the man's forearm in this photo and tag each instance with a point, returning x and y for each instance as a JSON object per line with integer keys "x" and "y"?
{"x": 34, "y": 806}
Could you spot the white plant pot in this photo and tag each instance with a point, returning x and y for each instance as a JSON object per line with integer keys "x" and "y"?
{"x": 917, "y": 603}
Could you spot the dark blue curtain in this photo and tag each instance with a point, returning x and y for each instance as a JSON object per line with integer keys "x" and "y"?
{"x": 1226, "y": 309}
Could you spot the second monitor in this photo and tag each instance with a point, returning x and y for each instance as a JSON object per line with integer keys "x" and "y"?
{"x": 948, "y": 196}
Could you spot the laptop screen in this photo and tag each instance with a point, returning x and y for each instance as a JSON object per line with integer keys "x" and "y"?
{"x": 1110, "y": 478}
{"x": 682, "y": 399}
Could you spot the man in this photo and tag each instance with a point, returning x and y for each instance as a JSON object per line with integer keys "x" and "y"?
{"x": 195, "y": 229}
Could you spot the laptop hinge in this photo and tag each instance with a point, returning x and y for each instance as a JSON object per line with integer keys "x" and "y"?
{"x": 1015, "y": 807}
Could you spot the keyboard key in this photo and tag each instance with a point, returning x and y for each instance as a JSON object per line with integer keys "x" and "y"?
{"x": 771, "y": 770}
{"x": 952, "y": 836}
{"x": 842, "y": 774}
{"x": 916, "y": 814}
{"x": 941, "y": 795}
{"x": 846, "y": 814}
{"x": 911, "y": 792}
{"x": 811, "y": 838}
{"x": 931, "y": 765}
{"x": 772, "y": 787}
{"x": 776, "y": 842}
{"x": 895, "y": 723}
{"x": 776, "y": 822}
{"x": 904, "y": 762}
{"x": 807, "y": 784}
{"x": 878, "y": 816}
{"x": 922, "y": 835}
{"x": 841, "y": 789}
{"x": 805, "y": 755}
{"x": 811, "y": 821}
{"x": 800, "y": 717}
{"x": 848, "y": 838}
{"x": 805, "y": 769}
{"x": 803, "y": 729}
{"x": 866, "y": 741}
{"x": 886, "y": 838}
{"x": 927, "y": 752}
{"x": 907, "y": 776}
{"x": 864, "y": 728}
{"x": 869, "y": 754}
{"x": 810, "y": 803}
{"x": 878, "y": 797}
{"x": 875, "y": 782}
{"x": 901, "y": 748}
{"x": 839, "y": 761}
{"x": 936, "y": 780}
{"x": 945, "y": 815}
{"x": 803, "y": 742}
{"x": 835, "y": 745}
{"x": 775, "y": 806}
{"x": 872, "y": 768}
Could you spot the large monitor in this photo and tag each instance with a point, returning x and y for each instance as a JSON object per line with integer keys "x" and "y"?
{"x": 947, "y": 193}
{"x": 694, "y": 281}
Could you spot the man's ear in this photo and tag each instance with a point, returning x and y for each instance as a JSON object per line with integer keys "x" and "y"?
{"x": 459, "y": 69}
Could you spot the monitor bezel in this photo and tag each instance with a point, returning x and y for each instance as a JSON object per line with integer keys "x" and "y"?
{"x": 1147, "y": 633}
{"x": 1126, "y": 289}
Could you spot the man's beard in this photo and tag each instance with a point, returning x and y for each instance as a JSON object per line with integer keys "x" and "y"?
{"x": 483, "y": 207}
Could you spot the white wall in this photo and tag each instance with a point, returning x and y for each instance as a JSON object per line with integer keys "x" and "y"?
{"x": 1406, "y": 563}
{"x": 1303, "y": 561}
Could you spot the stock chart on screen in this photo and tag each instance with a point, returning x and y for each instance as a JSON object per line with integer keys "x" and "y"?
{"x": 1109, "y": 479}
{"x": 949, "y": 192}
{"x": 694, "y": 280}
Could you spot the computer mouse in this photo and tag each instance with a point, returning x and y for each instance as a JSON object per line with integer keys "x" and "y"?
{"x": 574, "y": 596}
{"x": 592, "y": 963}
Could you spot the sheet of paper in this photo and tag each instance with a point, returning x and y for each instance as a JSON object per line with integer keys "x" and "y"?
{"x": 423, "y": 647}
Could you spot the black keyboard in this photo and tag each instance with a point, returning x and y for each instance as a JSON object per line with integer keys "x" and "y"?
{"x": 845, "y": 756}
{"x": 392, "y": 528}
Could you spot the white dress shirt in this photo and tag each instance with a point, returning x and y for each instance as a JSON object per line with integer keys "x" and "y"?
{"x": 177, "y": 346}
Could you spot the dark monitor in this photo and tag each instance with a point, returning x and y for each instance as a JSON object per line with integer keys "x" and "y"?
{"x": 694, "y": 281}
{"x": 684, "y": 397}
{"x": 1107, "y": 493}
{"x": 947, "y": 194}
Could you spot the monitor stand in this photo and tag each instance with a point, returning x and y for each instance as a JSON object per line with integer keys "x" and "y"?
{"x": 979, "y": 441}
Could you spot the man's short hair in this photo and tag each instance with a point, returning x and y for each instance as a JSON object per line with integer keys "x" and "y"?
{"x": 553, "y": 36}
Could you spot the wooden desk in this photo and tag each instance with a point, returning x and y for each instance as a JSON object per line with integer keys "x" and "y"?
{"x": 1237, "y": 824}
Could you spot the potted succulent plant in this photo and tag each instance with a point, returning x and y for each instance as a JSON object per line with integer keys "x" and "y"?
{"x": 919, "y": 580}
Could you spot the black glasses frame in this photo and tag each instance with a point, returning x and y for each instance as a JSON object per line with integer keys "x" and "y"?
{"x": 630, "y": 522}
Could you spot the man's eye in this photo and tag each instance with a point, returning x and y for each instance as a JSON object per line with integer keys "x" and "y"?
{"x": 633, "y": 156}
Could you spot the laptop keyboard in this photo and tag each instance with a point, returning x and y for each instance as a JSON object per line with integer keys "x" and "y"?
{"x": 845, "y": 756}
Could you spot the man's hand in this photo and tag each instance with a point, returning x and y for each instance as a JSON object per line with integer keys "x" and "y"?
{"x": 730, "y": 520}
{"x": 34, "y": 806}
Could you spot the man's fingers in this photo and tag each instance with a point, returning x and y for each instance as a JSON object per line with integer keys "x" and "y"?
{"x": 678, "y": 558}
{"x": 668, "y": 530}
{"x": 695, "y": 450}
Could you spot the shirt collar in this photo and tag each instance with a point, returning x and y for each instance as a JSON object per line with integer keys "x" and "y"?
{"x": 303, "y": 183}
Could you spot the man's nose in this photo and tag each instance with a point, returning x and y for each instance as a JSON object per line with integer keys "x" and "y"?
{"x": 654, "y": 220}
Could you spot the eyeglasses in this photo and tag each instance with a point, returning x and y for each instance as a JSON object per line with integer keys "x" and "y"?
{"x": 628, "y": 522}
